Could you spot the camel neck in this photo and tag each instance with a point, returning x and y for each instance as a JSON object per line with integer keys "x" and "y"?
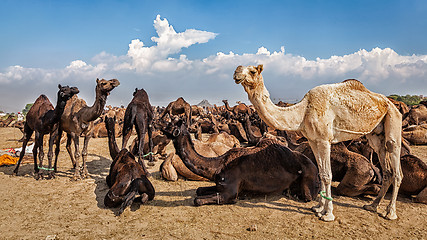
{"x": 252, "y": 139}
{"x": 97, "y": 108}
{"x": 281, "y": 118}
{"x": 200, "y": 165}
{"x": 112, "y": 145}
{"x": 59, "y": 110}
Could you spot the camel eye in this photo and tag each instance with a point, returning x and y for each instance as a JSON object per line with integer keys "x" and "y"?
{"x": 253, "y": 71}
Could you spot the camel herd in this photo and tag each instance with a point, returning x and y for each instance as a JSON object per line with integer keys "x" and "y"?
{"x": 340, "y": 132}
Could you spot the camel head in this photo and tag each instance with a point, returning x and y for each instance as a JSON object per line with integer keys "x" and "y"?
{"x": 105, "y": 86}
{"x": 66, "y": 92}
{"x": 250, "y": 76}
{"x": 171, "y": 129}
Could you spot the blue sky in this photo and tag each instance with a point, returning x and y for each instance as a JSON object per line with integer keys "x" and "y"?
{"x": 381, "y": 43}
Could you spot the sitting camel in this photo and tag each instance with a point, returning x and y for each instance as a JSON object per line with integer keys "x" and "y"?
{"x": 43, "y": 118}
{"x": 139, "y": 113}
{"x": 267, "y": 168}
{"x": 179, "y": 106}
{"x": 77, "y": 120}
{"x": 417, "y": 115}
{"x": 416, "y": 134}
{"x": 216, "y": 145}
{"x": 126, "y": 178}
{"x": 414, "y": 181}
{"x": 356, "y": 174}
{"x": 330, "y": 114}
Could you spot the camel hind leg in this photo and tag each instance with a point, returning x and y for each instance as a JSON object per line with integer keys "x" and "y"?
{"x": 385, "y": 140}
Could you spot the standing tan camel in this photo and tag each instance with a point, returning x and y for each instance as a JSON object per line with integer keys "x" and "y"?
{"x": 330, "y": 114}
{"x": 179, "y": 106}
{"x": 78, "y": 120}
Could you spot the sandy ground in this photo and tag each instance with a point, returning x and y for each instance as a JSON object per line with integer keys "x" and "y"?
{"x": 65, "y": 209}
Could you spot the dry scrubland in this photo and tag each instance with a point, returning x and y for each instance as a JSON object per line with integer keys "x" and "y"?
{"x": 63, "y": 209}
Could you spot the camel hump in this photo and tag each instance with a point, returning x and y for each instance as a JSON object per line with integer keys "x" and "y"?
{"x": 355, "y": 84}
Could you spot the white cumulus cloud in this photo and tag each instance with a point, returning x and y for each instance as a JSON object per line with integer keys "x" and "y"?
{"x": 166, "y": 77}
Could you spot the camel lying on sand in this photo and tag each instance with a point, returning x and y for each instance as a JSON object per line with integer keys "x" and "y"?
{"x": 127, "y": 178}
{"x": 269, "y": 167}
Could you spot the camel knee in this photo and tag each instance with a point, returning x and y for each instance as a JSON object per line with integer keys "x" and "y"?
{"x": 326, "y": 178}
{"x": 391, "y": 145}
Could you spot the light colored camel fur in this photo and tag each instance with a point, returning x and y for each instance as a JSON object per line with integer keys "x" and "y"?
{"x": 330, "y": 114}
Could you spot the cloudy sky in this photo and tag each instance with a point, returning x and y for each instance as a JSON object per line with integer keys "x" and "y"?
{"x": 191, "y": 48}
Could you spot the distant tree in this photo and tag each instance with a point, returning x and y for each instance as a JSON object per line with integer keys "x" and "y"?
{"x": 27, "y": 108}
{"x": 407, "y": 99}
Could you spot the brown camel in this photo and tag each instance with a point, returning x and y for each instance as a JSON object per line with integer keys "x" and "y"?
{"x": 139, "y": 113}
{"x": 414, "y": 181}
{"x": 416, "y": 134}
{"x": 43, "y": 118}
{"x": 126, "y": 178}
{"x": 216, "y": 145}
{"x": 267, "y": 168}
{"x": 240, "y": 108}
{"x": 253, "y": 139}
{"x": 401, "y": 106}
{"x": 417, "y": 115}
{"x": 179, "y": 106}
{"x": 77, "y": 121}
{"x": 330, "y": 114}
{"x": 356, "y": 174}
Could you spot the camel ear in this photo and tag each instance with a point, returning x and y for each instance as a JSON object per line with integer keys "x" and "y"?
{"x": 260, "y": 68}
{"x": 59, "y": 86}
{"x": 97, "y": 80}
{"x": 136, "y": 90}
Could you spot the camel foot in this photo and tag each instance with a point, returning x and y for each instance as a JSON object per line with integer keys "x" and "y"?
{"x": 197, "y": 202}
{"x": 84, "y": 173}
{"x": 329, "y": 217}
{"x": 144, "y": 198}
{"x": 14, "y": 173}
{"x": 76, "y": 177}
{"x": 38, "y": 175}
{"x": 391, "y": 214}
{"x": 370, "y": 207}
{"x": 50, "y": 175}
{"x": 317, "y": 209}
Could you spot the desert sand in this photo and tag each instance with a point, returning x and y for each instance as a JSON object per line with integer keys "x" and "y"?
{"x": 63, "y": 209}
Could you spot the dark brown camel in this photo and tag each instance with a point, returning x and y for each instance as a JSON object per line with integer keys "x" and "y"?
{"x": 77, "y": 121}
{"x": 356, "y": 174}
{"x": 179, "y": 106}
{"x": 267, "y": 168}
{"x": 139, "y": 113}
{"x": 43, "y": 118}
{"x": 126, "y": 178}
{"x": 247, "y": 125}
{"x": 240, "y": 108}
{"x": 414, "y": 180}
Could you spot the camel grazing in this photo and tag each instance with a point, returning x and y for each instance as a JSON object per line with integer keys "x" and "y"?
{"x": 139, "y": 113}
{"x": 77, "y": 121}
{"x": 179, "y": 106}
{"x": 330, "y": 114}
{"x": 267, "y": 168}
{"x": 126, "y": 178}
{"x": 43, "y": 118}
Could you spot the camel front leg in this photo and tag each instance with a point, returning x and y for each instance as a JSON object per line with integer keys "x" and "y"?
{"x": 70, "y": 152}
{"x": 57, "y": 148}
{"x": 76, "y": 156}
{"x": 35, "y": 149}
{"x": 52, "y": 138}
{"x": 27, "y": 135}
{"x": 84, "y": 172}
{"x": 322, "y": 152}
